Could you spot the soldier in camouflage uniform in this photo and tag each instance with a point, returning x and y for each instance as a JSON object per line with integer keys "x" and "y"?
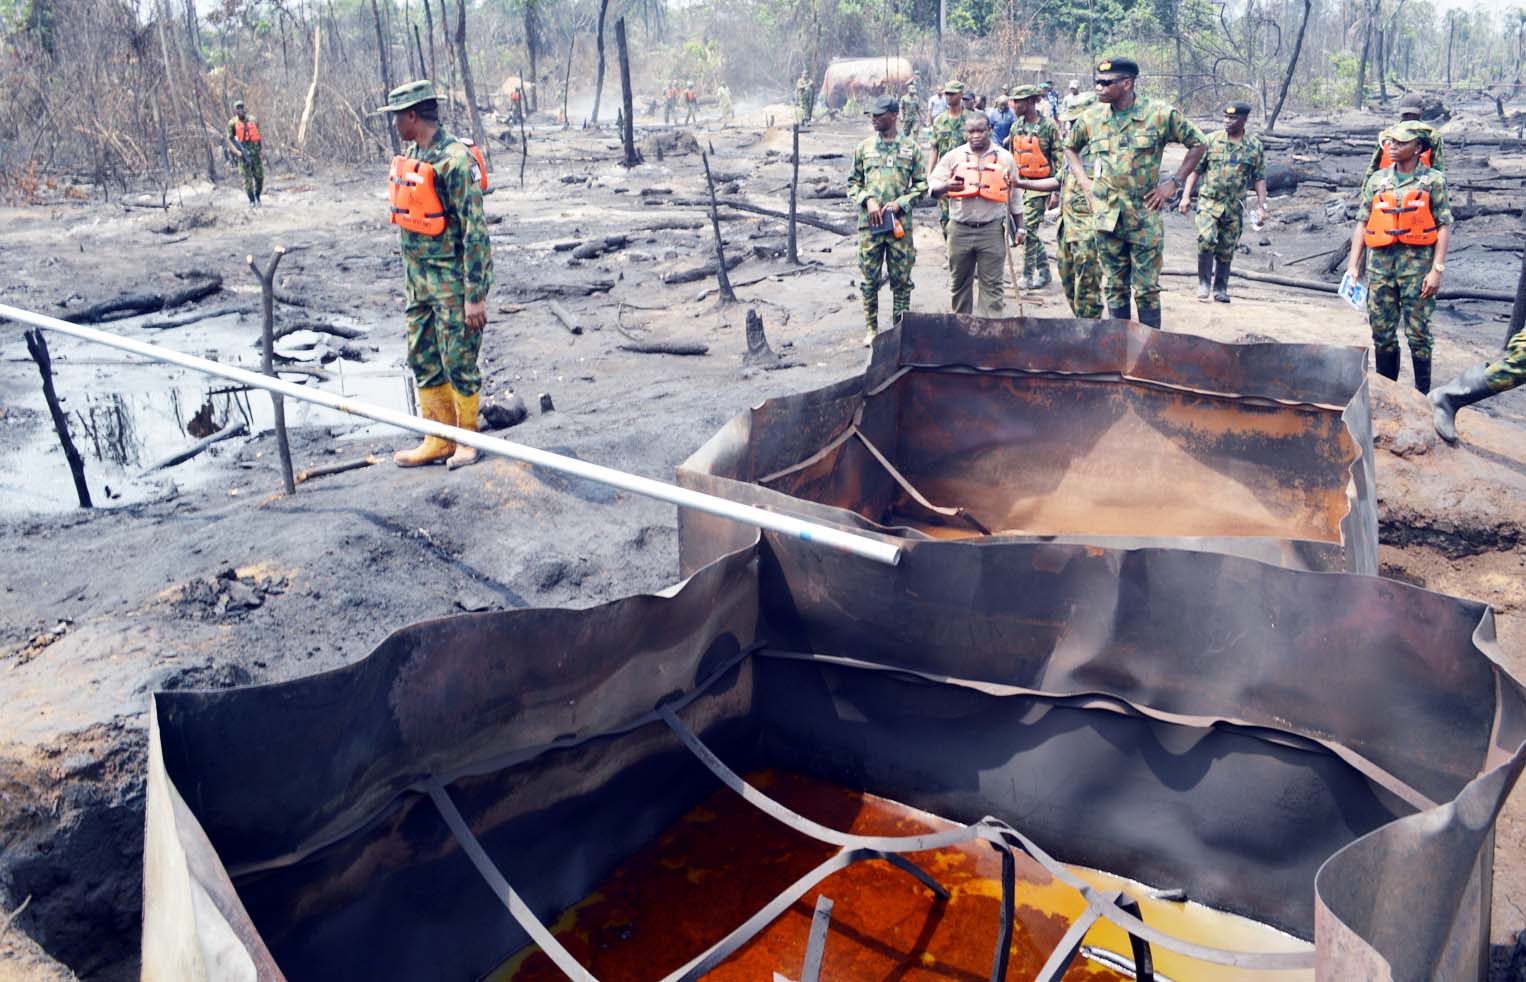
{"x": 1076, "y": 255}
{"x": 1033, "y": 131}
{"x": 1233, "y": 163}
{"x": 948, "y": 133}
{"x": 805, "y": 97}
{"x": 1126, "y": 136}
{"x": 1402, "y": 278}
{"x": 887, "y": 175}
{"x": 244, "y": 137}
{"x": 911, "y": 110}
{"x": 448, "y": 278}
{"x": 1479, "y": 383}
{"x": 1410, "y": 108}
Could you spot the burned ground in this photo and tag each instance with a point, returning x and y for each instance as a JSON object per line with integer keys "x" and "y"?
{"x": 204, "y": 575}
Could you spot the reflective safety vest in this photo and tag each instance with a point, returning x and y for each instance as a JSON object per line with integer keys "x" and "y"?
{"x": 989, "y": 183}
{"x": 481, "y": 160}
{"x": 1386, "y": 159}
{"x": 246, "y": 131}
{"x": 1394, "y": 219}
{"x": 415, "y": 201}
{"x": 1031, "y": 162}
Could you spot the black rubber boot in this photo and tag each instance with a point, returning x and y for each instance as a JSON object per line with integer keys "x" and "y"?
{"x": 1150, "y": 317}
{"x": 1464, "y": 390}
{"x": 1204, "y": 275}
{"x": 1221, "y": 280}
{"x": 1122, "y": 313}
{"x": 1387, "y": 363}
{"x": 1422, "y": 368}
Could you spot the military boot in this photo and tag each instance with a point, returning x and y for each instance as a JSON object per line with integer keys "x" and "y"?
{"x": 1422, "y": 368}
{"x": 1387, "y": 363}
{"x": 1044, "y": 278}
{"x": 436, "y": 405}
{"x": 1221, "y": 280}
{"x": 1150, "y": 317}
{"x": 1121, "y": 313}
{"x": 466, "y": 419}
{"x": 1464, "y": 390}
{"x": 1204, "y": 275}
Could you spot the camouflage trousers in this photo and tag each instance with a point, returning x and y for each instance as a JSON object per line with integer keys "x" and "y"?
{"x": 895, "y": 257}
{"x": 252, "y": 169}
{"x": 1131, "y": 260}
{"x": 1394, "y": 275}
{"x": 441, "y": 348}
{"x": 1035, "y": 259}
{"x": 806, "y": 106}
{"x": 669, "y": 113}
{"x": 688, "y": 113}
{"x": 1219, "y": 226}
{"x": 1080, "y": 272}
{"x": 908, "y": 125}
{"x": 1510, "y": 370}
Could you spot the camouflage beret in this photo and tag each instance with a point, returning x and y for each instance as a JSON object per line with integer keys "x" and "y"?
{"x": 1027, "y": 92}
{"x": 953, "y": 85}
{"x": 1409, "y": 130}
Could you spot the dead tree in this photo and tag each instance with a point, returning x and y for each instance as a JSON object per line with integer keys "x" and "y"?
{"x": 726, "y": 293}
{"x": 1287, "y": 80}
{"x": 478, "y": 133}
{"x": 38, "y": 347}
{"x": 429, "y": 29}
{"x": 311, "y": 102}
{"x": 267, "y": 358}
{"x": 386, "y": 72}
{"x": 524, "y": 139}
{"x": 627, "y": 123}
{"x": 572, "y": 44}
{"x": 598, "y": 83}
{"x": 794, "y": 187}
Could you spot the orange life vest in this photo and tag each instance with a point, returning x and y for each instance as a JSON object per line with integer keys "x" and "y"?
{"x": 514, "y": 95}
{"x": 1031, "y": 162}
{"x": 415, "y": 202}
{"x": 1386, "y": 159}
{"x": 1407, "y": 220}
{"x": 689, "y": 95}
{"x": 989, "y": 183}
{"x": 246, "y": 131}
{"x": 478, "y": 156}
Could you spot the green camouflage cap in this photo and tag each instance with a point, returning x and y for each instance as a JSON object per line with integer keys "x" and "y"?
{"x": 407, "y": 95}
{"x": 1080, "y": 106}
{"x": 1408, "y": 130}
{"x": 1027, "y": 92}
{"x": 953, "y": 85}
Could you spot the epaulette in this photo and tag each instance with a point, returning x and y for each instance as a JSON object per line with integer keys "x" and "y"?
{"x": 1426, "y": 178}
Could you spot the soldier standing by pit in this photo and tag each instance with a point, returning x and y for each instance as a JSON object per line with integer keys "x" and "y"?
{"x": 1233, "y": 163}
{"x": 436, "y": 196}
{"x": 1126, "y": 136}
{"x": 982, "y": 179}
{"x": 887, "y": 176}
{"x": 244, "y": 137}
{"x": 948, "y": 133}
{"x": 1406, "y": 223}
{"x": 805, "y": 97}
{"x": 910, "y": 110}
{"x": 1035, "y": 144}
{"x": 1410, "y": 108}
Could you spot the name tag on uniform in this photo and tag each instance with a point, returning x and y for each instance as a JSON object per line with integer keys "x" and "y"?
{"x": 906, "y": 152}
{"x": 476, "y": 174}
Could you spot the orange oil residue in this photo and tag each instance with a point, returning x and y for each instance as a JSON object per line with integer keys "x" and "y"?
{"x": 724, "y": 859}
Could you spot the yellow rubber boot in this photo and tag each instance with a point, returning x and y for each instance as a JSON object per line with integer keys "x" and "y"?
{"x": 466, "y": 419}
{"x": 434, "y": 404}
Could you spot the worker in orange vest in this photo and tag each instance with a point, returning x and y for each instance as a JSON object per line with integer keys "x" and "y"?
{"x": 244, "y": 138}
{"x": 691, "y": 103}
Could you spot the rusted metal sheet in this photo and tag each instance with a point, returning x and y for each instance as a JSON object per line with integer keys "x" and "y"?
{"x": 1185, "y": 719}
{"x": 1065, "y": 430}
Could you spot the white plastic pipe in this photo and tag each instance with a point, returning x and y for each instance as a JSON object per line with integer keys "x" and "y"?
{"x": 858, "y": 545}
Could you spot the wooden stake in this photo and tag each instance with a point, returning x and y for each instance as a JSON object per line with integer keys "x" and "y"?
{"x": 794, "y": 187}
{"x": 524, "y": 139}
{"x": 38, "y": 346}
{"x": 627, "y": 123}
{"x": 572, "y": 43}
{"x": 726, "y": 293}
{"x": 267, "y": 359}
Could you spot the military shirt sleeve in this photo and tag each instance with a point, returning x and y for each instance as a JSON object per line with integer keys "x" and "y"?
{"x": 1438, "y": 162}
{"x": 1052, "y": 150}
{"x": 1441, "y": 199}
{"x": 916, "y": 188}
{"x": 1180, "y": 129}
{"x": 856, "y": 190}
{"x": 1258, "y": 163}
{"x": 1078, "y": 135}
{"x": 476, "y": 249}
{"x": 1365, "y": 209}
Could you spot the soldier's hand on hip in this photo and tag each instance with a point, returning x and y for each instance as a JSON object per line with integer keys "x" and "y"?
{"x": 476, "y": 314}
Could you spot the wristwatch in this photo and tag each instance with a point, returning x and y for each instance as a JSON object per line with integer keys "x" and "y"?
{"x": 1174, "y": 179}
{"x": 1439, "y": 267}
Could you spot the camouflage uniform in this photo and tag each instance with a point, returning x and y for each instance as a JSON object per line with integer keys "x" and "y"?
{"x": 888, "y": 171}
{"x": 948, "y": 133}
{"x": 805, "y": 95}
{"x": 1080, "y": 269}
{"x": 1126, "y": 148}
{"x": 911, "y": 108}
{"x": 447, "y": 271}
{"x": 1509, "y": 370}
{"x": 1395, "y": 272}
{"x": 1228, "y": 169}
{"x": 1035, "y": 259}
{"x": 250, "y": 166}
{"x": 1438, "y": 160}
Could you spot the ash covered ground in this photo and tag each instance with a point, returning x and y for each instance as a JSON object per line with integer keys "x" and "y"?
{"x": 204, "y": 574}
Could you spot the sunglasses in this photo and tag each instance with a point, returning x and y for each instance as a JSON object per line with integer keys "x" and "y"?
{"x": 1103, "y": 83}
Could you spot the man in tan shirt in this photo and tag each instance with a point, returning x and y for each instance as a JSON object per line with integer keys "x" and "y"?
{"x": 980, "y": 182}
